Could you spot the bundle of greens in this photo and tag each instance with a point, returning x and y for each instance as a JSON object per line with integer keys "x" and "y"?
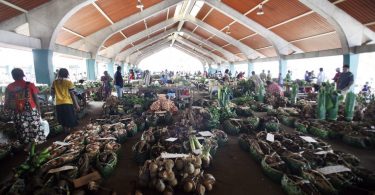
{"x": 321, "y": 105}
{"x": 293, "y": 96}
{"x": 332, "y": 102}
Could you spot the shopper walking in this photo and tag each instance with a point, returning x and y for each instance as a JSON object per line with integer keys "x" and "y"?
{"x": 106, "y": 85}
{"x": 269, "y": 76}
{"x": 118, "y": 82}
{"x": 22, "y": 101}
{"x": 320, "y": 79}
{"x": 256, "y": 80}
{"x": 263, "y": 76}
{"x": 62, "y": 92}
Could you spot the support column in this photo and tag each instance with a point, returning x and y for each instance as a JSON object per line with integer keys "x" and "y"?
{"x": 110, "y": 68}
{"x": 122, "y": 68}
{"x": 250, "y": 68}
{"x": 352, "y": 60}
{"x": 282, "y": 67}
{"x": 43, "y": 66}
{"x": 91, "y": 69}
{"x": 231, "y": 68}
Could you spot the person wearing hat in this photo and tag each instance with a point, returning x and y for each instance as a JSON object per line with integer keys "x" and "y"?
{"x": 337, "y": 76}
{"x": 346, "y": 80}
{"x": 21, "y": 99}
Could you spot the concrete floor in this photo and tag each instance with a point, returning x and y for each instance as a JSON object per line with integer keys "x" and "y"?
{"x": 235, "y": 171}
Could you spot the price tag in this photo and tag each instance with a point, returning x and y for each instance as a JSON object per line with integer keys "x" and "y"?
{"x": 333, "y": 169}
{"x": 61, "y": 143}
{"x": 205, "y": 133}
{"x": 63, "y": 168}
{"x": 308, "y": 139}
{"x": 170, "y": 155}
{"x": 171, "y": 139}
{"x": 270, "y": 137}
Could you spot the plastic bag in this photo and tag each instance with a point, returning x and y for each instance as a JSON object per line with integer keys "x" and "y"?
{"x": 44, "y": 126}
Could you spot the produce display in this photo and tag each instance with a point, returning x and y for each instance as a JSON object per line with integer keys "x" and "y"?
{"x": 82, "y": 152}
{"x": 177, "y": 142}
{"x": 306, "y": 166}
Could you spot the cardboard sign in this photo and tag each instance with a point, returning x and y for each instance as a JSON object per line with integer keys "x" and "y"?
{"x": 170, "y": 155}
{"x": 107, "y": 138}
{"x": 171, "y": 139}
{"x": 308, "y": 139}
{"x": 323, "y": 152}
{"x": 63, "y": 168}
{"x": 61, "y": 143}
{"x": 270, "y": 137}
{"x": 333, "y": 169}
{"x": 205, "y": 133}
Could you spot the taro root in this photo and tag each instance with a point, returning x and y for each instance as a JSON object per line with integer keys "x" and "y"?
{"x": 319, "y": 180}
{"x": 274, "y": 167}
{"x": 296, "y": 185}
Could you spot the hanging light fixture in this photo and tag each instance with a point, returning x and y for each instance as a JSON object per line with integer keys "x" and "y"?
{"x": 260, "y": 9}
{"x": 139, "y": 4}
{"x": 228, "y": 30}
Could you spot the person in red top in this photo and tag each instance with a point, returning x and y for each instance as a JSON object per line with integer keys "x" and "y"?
{"x": 131, "y": 75}
{"x": 337, "y": 76}
{"x": 21, "y": 98}
{"x": 274, "y": 89}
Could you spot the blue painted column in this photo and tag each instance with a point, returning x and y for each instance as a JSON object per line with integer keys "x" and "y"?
{"x": 209, "y": 71}
{"x": 43, "y": 66}
{"x": 282, "y": 67}
{"x": 352, "y": 60}
{"x": 91, "y": 69}
{"x": 110, "y": 68}
{"x": 250, "y": 68}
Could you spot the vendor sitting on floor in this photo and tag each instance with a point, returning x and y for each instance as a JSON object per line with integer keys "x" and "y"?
{"x": 274, "y": 89}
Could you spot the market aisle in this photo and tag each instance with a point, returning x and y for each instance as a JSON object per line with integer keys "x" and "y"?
{"x": 237, "y": 173}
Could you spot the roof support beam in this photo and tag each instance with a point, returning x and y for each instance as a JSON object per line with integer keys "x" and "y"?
{"x": 281, "y": 46}
{"x": 247, "y": 51}
{"x": 351, "y": 32}
{"x": 187, "y": 7}
{"x": 116, "y": 48}
{"x": 144, "y": 53}
{"x": 230, "y": 56}
{"x": 97, "y": 39}
{"x": 13, "y": 6}
{"x": 14, "y": 39}
{"x": 202, "y": 60}
{"x": 193, "y": 52}
{"x": 122, "y": 55}
{"x": 200, "y": 49}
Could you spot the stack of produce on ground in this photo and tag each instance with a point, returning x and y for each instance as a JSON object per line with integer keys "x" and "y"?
{"x": 306, "y": 165}
{"x": 60, "y": 168}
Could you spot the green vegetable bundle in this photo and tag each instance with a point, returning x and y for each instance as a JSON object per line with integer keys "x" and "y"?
{"x": 321, "y": 107}
{"x": 332, "y": 102}
{"x": 349, "y": 106}
{"x": 293, "y": 96}
{"x": 261, "y": 93}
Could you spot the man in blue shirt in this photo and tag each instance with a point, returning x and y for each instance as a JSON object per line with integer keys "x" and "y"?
{"x": 346, "y": 80}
